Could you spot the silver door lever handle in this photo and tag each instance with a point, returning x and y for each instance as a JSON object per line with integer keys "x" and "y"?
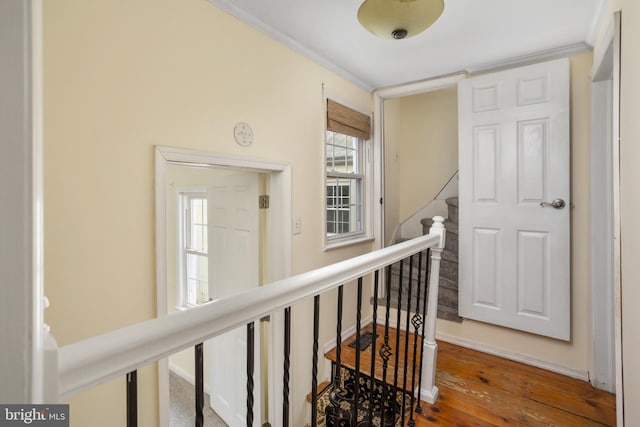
{"x": 557, "y": 204}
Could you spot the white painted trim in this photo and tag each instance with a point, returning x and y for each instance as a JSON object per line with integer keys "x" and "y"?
{"x": 379, "y": 96}
{"x": 617, "y": 233}
{"x": 367, "y": 233}
{"x": 606, "y": 65}
{"x": 341, "y": 243}
{"x": 414, "y": 88}
{"x": 21, "y": 293}
{"x": 161, "y": 280}
{"x": 516, "y": 357}
{"x": 229, "y": 7}
{"x": 45, "y": 366}
{"x": 602, "y": 241}
{"x": 278, "y": 244}
{"x": 519, "y": 61}
{"x": 207, "y": 159}
{"x": 495, "y": 351}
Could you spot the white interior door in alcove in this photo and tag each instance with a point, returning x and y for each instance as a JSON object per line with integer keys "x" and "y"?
{"x": 514, "y": 265}
{"x": 234, "y": 266}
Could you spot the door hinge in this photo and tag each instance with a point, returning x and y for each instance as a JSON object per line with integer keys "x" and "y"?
{"x": 263, "y": 201}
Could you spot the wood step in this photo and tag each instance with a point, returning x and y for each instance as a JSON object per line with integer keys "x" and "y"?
{"x": 321, "y": 387}
{"x": 348, "y": 356}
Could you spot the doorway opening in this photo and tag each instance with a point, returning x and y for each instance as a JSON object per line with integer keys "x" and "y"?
{"x": 606, "y": 363}
{"x": 213, "y": 240}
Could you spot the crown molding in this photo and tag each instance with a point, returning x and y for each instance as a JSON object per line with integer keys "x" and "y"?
{"x": 522, "y": 60}
{"x": 290, "y": 42}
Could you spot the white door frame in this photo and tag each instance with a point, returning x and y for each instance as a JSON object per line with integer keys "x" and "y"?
{"x": 379, "y": 96}
{"x": 278, "y": 256}
{"x": 605, "y": 259}
{"x": 22, "y": 294}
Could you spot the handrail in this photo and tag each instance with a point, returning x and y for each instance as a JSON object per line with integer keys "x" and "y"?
{"x": 92, "y": 361}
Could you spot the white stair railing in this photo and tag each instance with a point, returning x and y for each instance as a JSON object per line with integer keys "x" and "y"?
{"x": 90, "y": 362}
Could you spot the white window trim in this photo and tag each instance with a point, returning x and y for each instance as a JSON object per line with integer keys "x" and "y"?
{"x": 366, "y": 234}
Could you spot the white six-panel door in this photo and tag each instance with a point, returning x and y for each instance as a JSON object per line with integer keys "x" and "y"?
{"x": 233, "y": 267}
{"x": 514, "y": 260}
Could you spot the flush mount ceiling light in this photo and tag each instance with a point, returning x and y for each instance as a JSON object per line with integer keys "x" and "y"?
{"x": 399, "y": 19}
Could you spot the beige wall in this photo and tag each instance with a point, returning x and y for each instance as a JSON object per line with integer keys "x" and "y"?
{"x": 630, "y": 206}
{"x": 121, "y": 77}
{"x": 423, "y": 154}
{"x": 576, "y": 353}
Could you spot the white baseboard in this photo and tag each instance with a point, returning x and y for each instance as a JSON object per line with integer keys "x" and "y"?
{"x": 187, "y": 376}
{"x": 495, "y": 351}
{"x": 516, "y": 357}
{"x": 347, "y": 333}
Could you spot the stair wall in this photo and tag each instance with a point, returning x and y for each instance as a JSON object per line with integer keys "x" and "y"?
{"x": 448, "y": 291}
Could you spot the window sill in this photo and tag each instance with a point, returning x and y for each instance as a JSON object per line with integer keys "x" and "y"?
{"x": 336, "y": 244}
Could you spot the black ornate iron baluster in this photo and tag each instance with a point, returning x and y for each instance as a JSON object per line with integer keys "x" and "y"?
{"x": 406, "y": 342}
{"x": 424, "y": 316}
{"x": 398, "y": 327}
{"x": 132, "y": 399}
{"x": 337, "y": 395}
{"x": 199, "y": 370}
{"x": 373, "y": 349}
{"x": 314, "y": 362}
{"x": 250, "y": 361}
{"x": 385, "y": 351}
{"x": 416, "y": 321}
{"x": 287, "y": 364}
{"x": 356, "y": 388}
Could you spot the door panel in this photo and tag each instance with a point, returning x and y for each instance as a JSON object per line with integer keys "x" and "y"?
{"x": 514, "y": 155}
{"x": 234, "y": 267}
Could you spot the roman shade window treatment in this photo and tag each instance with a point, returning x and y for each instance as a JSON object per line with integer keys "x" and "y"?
{"x": 345, "y": 120}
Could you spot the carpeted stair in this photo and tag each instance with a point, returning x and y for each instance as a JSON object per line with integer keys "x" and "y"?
{"x": 448, "y": 291}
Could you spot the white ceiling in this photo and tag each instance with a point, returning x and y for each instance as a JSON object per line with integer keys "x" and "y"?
{"x": 470, "y": 34}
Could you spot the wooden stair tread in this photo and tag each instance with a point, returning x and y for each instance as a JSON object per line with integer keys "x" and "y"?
{"x": 348, "y": 357}
{"x": 323, "y": 385}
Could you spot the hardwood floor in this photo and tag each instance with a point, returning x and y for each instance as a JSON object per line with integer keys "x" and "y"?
{"x": 477, "y": 389}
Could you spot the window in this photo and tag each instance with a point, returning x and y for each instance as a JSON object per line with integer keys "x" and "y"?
{"x": 344, "y": 184}
{"x": 346, "y": 166}
{"x": 194, "y": 248}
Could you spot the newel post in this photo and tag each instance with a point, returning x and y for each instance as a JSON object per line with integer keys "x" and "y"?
{"x": 429, "y": 391}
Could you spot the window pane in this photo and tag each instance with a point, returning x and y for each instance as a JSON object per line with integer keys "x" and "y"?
{"x": 344, "y": 210}
{"x": 197, "y": 279}
{"x": 344, "y": 200}
{"x": 197, "y": 227}
{"x": 342, "y": 153}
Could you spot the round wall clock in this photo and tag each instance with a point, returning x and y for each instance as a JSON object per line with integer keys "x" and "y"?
{"x": 243, "y": 134}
